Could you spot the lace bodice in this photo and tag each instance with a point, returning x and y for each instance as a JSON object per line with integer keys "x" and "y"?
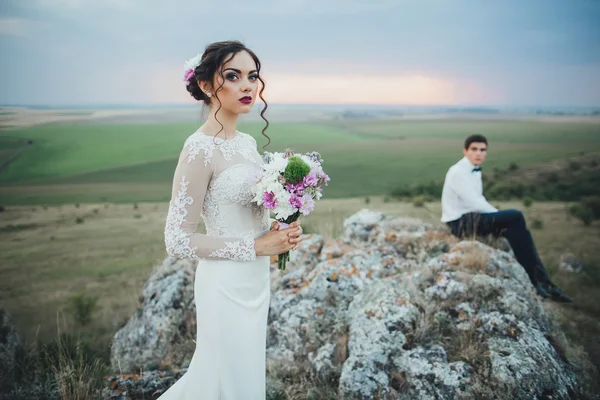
{"x": 213, "y": 180}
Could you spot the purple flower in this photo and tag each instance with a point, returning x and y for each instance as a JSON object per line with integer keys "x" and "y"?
{"x": 188, "y": 75}
{"x": 308, "y": 206}
{"x": 296, "y": 201}
{"x": 300, "y": 189}
{"x": 270, "y": 200}
{"x": 310, "y": 180}
{"x": 290, "y": 187}
{"x": 320, "y": 174}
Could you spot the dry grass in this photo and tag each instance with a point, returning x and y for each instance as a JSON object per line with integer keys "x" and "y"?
{"x": 398, "y": 381}
{"x": 482, "y": 388}
{"x": 475, "y": 258}
{"x": 469, "y": 346}
{"x": 428, "y": 329}
{"x": 109, "y": 255}
{"x": 495, "y": 242}
{"x": 297, "y": 382}
{"x": 461, "y": 345}
{"x": 66, "y": 368}
{"x": 572, "y": 352}
{"x": 46, "y": 257}
{"x": 341, "y": 349}
{"x": 77, "y": 379}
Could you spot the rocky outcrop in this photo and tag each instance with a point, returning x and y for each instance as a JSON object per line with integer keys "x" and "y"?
{"x": 570, "y": 263}
{"x": 146, "y": 385}
{"x": 397, "y": 309}
{"x": 425, "y": 317}
{"x": 160, "y": 333}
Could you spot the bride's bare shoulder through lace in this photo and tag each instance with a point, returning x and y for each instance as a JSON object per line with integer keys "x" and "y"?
{"x": 200, "y": 143}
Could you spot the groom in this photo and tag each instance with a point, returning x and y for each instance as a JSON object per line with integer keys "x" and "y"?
{"x": 466, "y": 211}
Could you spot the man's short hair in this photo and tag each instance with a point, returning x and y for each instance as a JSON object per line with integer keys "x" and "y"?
{"x": 475, "y": 139}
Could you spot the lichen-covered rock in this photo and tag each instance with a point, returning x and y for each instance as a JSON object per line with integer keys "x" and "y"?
{"x": 147, "y": 385}
{"x": 302, "y": 261}
{"x": 424, "y": 315}
{"x": 393, "y": 309}
{"x": 275, "y": 389}
{"x": 160, "y": 333}
{"x": 430, "y": 376}
{"x": 445, "y": 287}
{"x": 377, "y": 318}
{"x": 523, "y": 359}
{"x": 570, "y": 263}
{"x": 334, "y": 249}
{"x": 323, "y": 359}
{"x": 360, "y": 225}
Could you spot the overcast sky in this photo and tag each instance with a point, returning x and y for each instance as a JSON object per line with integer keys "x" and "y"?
{"x": 463, "y": 52}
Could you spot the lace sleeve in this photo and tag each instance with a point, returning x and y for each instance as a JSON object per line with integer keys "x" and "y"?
{"x": 190, "y": 183}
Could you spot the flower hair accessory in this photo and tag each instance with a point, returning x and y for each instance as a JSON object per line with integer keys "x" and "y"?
{"x": 189, "y": 67}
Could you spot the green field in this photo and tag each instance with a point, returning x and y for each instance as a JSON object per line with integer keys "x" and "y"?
{"x": 52, "y": 248}
{"x": 67, "y": 163}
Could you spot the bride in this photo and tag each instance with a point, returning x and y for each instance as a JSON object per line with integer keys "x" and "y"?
{"x": 213, "y": 180}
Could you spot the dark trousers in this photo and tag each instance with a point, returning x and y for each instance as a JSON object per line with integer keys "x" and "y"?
{"x": 511, "y": 225}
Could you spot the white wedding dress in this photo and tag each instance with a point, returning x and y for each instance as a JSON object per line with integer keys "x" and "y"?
{"x": 213, "y": 180}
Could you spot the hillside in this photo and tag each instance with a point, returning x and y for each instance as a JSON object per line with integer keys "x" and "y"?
{"x": 67, "y": 163}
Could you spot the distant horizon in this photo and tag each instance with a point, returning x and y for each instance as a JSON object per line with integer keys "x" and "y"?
{"x": 490, "y": 106}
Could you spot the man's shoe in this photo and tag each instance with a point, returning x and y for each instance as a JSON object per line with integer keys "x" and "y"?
{"x": 558, "y": 295}
{"x": 541, "y": 291}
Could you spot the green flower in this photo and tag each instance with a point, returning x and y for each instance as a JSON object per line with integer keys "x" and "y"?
{"x": 296, "y": 170}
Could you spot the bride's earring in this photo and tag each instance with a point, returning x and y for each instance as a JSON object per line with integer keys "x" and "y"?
{"x": 208, "y": 95}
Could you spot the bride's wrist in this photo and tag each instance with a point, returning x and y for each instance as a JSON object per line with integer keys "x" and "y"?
{"x": 257, "y": 248}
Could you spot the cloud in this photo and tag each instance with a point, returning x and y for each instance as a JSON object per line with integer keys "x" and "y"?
{"x": 548, "y": 86}
{"x": 19, "y": 27}
{"x": 84, "y": 5}
{"x": 261, "y": 7}
{"x": 373, "y": 89}
{"x": 312, "y": 8}
{"x": 459, "y": 51}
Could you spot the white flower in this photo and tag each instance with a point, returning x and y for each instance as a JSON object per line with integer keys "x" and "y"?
{"x": 277, "y": 164}
{"x": 309, "y": 161}
{"x": 192, "y": 63}
{"x": 283, "y": 209}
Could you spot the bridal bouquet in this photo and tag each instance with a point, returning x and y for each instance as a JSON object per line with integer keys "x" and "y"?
{"x": 289, "y": 186}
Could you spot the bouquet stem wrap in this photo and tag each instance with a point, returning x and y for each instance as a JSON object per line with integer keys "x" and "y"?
{"x": 283, "y": 258}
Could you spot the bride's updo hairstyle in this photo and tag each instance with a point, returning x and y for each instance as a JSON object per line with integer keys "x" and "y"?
{"x": 205, "y": 67}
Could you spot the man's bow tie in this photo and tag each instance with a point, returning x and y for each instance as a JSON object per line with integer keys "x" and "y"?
{"x": 476, "y": 169}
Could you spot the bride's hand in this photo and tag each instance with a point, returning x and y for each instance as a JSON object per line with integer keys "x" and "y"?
{"x": 295, "y": 237}
{"x": 277, "y": 242}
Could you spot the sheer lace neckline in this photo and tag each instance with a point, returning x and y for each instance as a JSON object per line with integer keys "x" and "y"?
{"x": 242, "y": 144}
{"x": 238, "y": 134}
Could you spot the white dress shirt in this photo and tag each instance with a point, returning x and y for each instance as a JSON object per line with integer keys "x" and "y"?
{"x": 463, "y": 192}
